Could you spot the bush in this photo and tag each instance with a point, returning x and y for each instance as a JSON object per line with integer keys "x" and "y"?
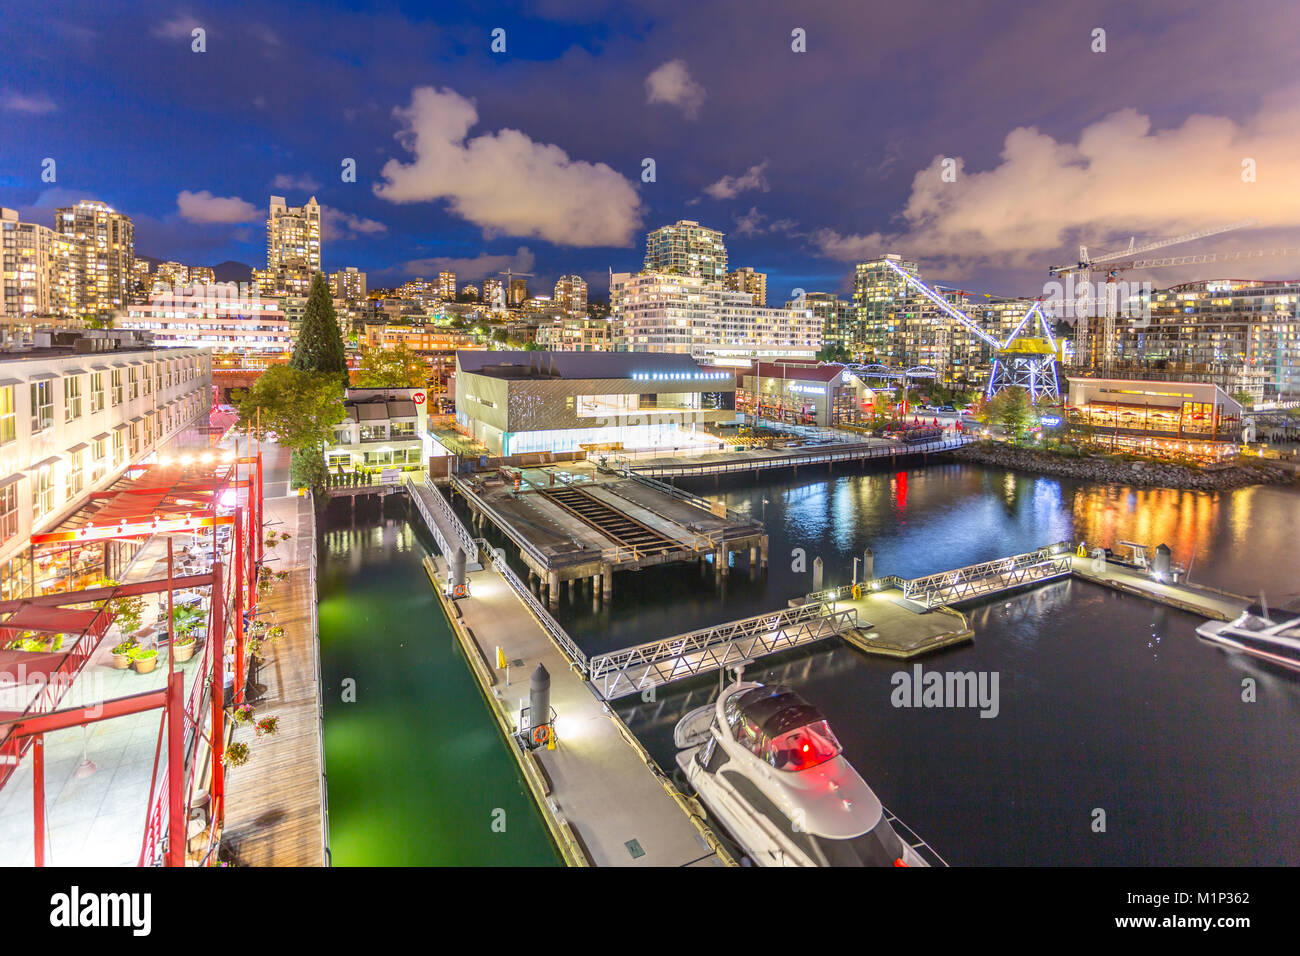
{"x": 307, "y": 470}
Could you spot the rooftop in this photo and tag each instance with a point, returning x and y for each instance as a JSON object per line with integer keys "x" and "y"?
{"x": 573, "y": 365}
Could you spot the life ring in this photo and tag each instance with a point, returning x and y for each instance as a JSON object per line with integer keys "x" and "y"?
{"x": 541, "y": 733}
{"x": 857, "y": 591}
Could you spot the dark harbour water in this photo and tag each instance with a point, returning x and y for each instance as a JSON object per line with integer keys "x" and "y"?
{"x": 1106, "y": 701}
{"x": 417, "y": 770}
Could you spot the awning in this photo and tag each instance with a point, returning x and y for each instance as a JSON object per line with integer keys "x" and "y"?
{"x": 12, "y": 480}
{"x": 43, "y": 377}
{"x": 10, "y": 381}
{"x": 79, "y": 446}
{"x": 45, "y": 463}
{"x": 102, "y": 436}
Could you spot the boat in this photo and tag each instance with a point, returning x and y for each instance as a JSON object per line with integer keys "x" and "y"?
{"x": 1254, "y": 632}
{"x": 768, "y": 767}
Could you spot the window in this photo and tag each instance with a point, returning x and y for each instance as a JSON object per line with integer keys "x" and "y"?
{"x": 42, "y": 406}
{"x": 98, "y": 465}
{"x": 148, "y": 381}
{"x": 43, "y": 492}
{"x": 133, "y": 383}
{"x": 76, "y": 474}
{"x": 119, "y": 446}
{"x": 8, "y": 511}
{"x": 8, "y": 416}
{"x": 401, "y": 430}
{"x": 117, "y": 386}
{"x": 96, "y": 392}
{"x": 135, "y": 440}
{"x": 71, "y": 398}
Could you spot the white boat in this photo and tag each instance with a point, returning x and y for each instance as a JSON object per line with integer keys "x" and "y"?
{"x": 1255, "y": 632}
{"x": 769, "y": 768}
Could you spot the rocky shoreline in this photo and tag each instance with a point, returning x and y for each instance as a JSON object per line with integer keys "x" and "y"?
{"x": 1140, "y": 473}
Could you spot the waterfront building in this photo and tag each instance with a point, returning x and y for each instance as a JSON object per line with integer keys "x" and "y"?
{"x": 384, "y": 428}
{"x": 1242, "y": 335}
{"x": 686, "y": 248}
{"x": 571, "y": 295}
{"x": 76, "y": 410}
{"x": 103, "y": 256}
{"x": 37, "y": 269}
{"x": 1167, "y": 419}
{"x": 293, "y": 248}
{"x": 746, "y": 279}
{"x": 576, "y": 334}
{"x": 516, "y": 402}
{"x": 661, "y": 312}
{"x": 801, "y": 393}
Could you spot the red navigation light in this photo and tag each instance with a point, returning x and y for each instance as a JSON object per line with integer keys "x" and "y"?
{"x": 899, "y": 862}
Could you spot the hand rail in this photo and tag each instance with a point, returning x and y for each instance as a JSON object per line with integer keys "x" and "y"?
{"x": 684, "y": 469}
{"x": 327, "y": 856}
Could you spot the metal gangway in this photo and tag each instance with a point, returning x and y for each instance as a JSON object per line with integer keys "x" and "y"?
{"x": 634, "y": 669}
{"x": 989, "y": 577}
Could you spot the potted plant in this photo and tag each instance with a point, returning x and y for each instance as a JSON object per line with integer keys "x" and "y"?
{"x": 236, "y": 754}
{"x": 267, "y": 726}
{"x": 243, "y": 713}
{"x": 183, "y": 647}
{"x": 275, "y": 633}
{"x": 145, "y": 660}
{"x": 254, "y": 645}
{"x": 127, "y": 613}
{"x": 122, "y": 654}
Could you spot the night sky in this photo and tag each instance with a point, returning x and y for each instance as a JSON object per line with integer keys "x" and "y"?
{"x": 533, "y": 157}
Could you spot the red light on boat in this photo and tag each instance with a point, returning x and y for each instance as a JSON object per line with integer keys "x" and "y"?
{"x": 899, "y": 862}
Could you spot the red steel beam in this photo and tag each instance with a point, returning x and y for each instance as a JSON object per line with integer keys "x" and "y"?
{"x": 131, "y": 528}
{"x": 176, "y": 822}
{"x": 38, "y": 796}
{"x": 92, "y": 595}
{"x": 91, "y": 713}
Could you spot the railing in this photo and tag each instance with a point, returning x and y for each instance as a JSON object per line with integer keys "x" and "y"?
{"x": 988, "y": 577}
{"x": 549, "y": 624}
{"x": 624, "y": 672}
{"x": 155, "y": 827}
{"x": 504, "y": 526}
{"x": 320, "y": 689}
{"x": 434, "y": 528}
{"x": 853, "y": 453}
{"x": 673, "y": 491}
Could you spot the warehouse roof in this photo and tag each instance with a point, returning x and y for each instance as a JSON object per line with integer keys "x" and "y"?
{"x": 588, "y": 365}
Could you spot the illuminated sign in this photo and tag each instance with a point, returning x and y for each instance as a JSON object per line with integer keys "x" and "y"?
{"x": 808, "y": 389}
{"x": 1051, "y": 420}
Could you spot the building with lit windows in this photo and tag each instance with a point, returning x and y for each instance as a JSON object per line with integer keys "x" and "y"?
{"x": 670, "y": 313}
{"x": 225, "y": 325}
{"x": 515, "y": 402}
{"x": 385, "y": 428}
{"x": 293, "y": 248}
{"x": 569, "y": 334}
{"x": 571, "y": 295}
{"x": 799, "y": 393}
{"x": 349, "y": 285}
{"x": 76, "y": 410}
{"x": 37, "y": 271}
{"x": 103, "y": 258}
{"x": 879, "y": 295}
{"x": 746, "y": 279}
{"x": 686, "y": 248}
{"x": 447, "y": 286}
{"x": 835, "y": 315}
{"x": 1165, "y": 419}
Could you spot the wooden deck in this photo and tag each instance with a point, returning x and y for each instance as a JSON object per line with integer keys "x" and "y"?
{"x": 275, "y": 807}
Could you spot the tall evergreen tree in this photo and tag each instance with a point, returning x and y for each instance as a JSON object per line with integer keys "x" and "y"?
{"x": 319, "y": 347}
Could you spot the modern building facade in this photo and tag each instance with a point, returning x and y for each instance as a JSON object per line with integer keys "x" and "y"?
{"x": 690, "y": 315}
{"x": 239, "y": 326}
{"x": 385, "y": 428}
{"x": 76, "y": 410}
{"x": 879, "y": 296}
{"x": 805, "y": 394}
{"x": 349, "y": 285}
{"x": 1189, "y": 419}
{"x": 569, "y": 334}
{"x": 746, "y": 279}
{"x": 571, "y": 295}
{"x": 447, "y": 286}
{"x": 516, "y": 402}
{"x": 686, "y": 248}
{"x": 37, "y": 271}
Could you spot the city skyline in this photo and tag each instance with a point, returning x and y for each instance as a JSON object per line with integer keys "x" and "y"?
{"x": 760, "y": 146}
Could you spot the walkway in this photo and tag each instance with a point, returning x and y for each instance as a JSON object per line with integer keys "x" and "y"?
{"x": 275, "y": 804}
{"x": 1218, "y": 605}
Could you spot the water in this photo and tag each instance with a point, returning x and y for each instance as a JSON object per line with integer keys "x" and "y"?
{"x": 1107, "y": 702}
{"x": 418, "y": 772}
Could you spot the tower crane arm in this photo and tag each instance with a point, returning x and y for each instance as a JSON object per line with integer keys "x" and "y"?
{"x": 944, "y": 306}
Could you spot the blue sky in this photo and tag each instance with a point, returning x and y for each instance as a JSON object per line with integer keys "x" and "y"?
{"x": 533, "y": 157}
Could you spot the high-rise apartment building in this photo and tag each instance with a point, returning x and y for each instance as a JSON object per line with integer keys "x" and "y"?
{"x": 103, "y": 261}
{"x": 293, "y": 248}
{"x": 571, "y": 295}
{"x": 518, "y": 292}
{"x": 447, "y": 286}
{"x": 686, "y": 248}
{"x": 879, "y": 295}
{"x": 834, "y": 313}
{"x": 494, "y": 294}
{"x": 746, "y": 279}
{"x": 37, "y": 271}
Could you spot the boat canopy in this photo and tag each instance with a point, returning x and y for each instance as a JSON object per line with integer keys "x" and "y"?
{"x": 780, "y": 727}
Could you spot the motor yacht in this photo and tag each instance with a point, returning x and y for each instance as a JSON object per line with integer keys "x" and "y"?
{"x": 769, "y": 768}
{"x": 1256, "y": 632}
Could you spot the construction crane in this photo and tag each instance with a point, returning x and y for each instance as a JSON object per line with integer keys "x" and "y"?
{"x": 509, "y": 276}
{"x": 1086, "y": 265}
{"x": 1027, "y": 362}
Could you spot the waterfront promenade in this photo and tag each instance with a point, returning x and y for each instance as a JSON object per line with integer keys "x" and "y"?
{"x": 276, "y": 804}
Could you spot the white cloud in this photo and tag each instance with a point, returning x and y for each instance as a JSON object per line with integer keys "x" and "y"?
{"x": 287, "y": 181}
{"x": 181, "y": 26}
{"x": 503, "y": 181}
{"x": 728, "y": 187}
{"x": 1121, "y": 178}
{"x": 33, "y": 103}
{"x": 202, "y": 206}
{"x": 755, "y": 223}
{"x": 337, "y": 224}
{"x": 671, "y": 83}
{"x": 468, "y": 269}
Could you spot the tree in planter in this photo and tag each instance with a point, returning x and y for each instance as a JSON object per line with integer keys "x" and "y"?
{"x": 300, "y": 408}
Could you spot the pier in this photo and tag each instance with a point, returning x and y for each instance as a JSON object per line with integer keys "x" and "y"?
{"x": 577, "y": 525}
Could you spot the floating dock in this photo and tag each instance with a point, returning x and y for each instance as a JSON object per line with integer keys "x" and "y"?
{"x": 749, "y": 461}
{"x": 577, "y": 525}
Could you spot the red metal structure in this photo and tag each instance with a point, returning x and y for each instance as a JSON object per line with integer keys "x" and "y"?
{"x": 175, "y": 500}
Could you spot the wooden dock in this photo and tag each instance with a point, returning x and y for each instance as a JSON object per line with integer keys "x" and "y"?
{"x": 276, "y": 804}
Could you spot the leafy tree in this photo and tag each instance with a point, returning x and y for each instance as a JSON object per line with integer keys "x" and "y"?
{"x": 1244, "y": 399}
{"x": 300, "y": 409}
{"x": 1012, "y": 409}
{"x": 319, "y": 346}
{"x": 831, "y": 352}
{"x": 398, "y": 367}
